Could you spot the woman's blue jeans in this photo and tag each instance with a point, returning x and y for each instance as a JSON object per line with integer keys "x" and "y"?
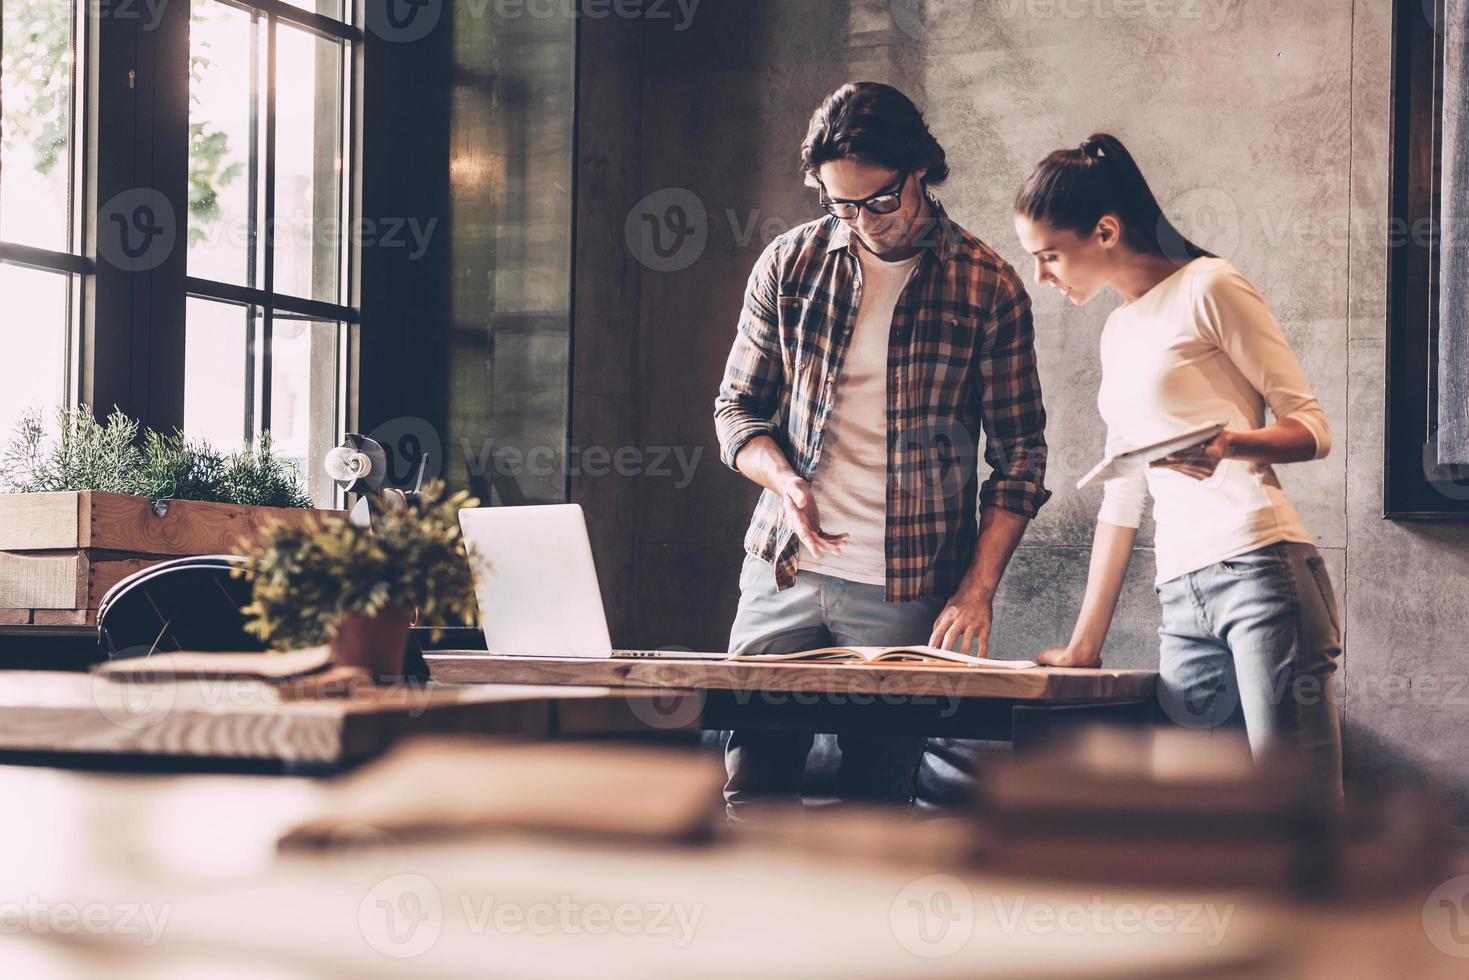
{"x": 1260, "y": 634}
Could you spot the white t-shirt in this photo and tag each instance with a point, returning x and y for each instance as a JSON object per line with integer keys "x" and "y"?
{"x": 850, "y": 479}
{"x": 1202, "y": 346}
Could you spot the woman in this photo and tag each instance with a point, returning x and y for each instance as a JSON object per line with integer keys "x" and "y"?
{"x": 1249, "y": 617}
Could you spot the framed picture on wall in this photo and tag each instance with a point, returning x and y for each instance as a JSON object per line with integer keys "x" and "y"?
{"x": 1426, "y": 458}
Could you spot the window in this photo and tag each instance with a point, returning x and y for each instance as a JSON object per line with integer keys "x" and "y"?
{"x": 41, "y": 155}
{"x": 270, "y": 116}
{"x": 1427, "y": 426}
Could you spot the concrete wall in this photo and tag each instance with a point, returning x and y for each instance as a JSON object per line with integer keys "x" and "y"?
{"x": 1264, "y": 129}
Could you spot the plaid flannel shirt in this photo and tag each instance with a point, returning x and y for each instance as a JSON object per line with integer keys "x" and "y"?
{"x": 960, "y": 357}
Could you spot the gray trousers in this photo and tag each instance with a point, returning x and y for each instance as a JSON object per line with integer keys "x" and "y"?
{"x": 820, "y": 610}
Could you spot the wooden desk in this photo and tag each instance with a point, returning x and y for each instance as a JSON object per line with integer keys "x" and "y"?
{"x": 1024, "y": 706}
{"x": 140, "y": 877}
{"x": 84, "y": 719}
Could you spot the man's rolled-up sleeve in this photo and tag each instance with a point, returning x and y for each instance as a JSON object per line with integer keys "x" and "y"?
{"x": 754, "y": 373}
{"x": 1011, "y": 410}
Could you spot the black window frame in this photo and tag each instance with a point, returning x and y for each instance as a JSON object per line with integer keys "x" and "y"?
{"x": 263, "y": 300}
{"x": 75, "y": 262}
{"x": 1415, "y": 485}
{"x": 126, "y": 329}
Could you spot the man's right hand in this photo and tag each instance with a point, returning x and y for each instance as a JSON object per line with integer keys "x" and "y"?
{"x": 802, "y": 516}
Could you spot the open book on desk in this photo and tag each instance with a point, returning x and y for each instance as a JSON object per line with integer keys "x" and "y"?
{"x": 922, "y": 655}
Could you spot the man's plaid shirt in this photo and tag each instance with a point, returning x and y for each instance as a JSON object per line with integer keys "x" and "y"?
{"x": 960, "y": 354}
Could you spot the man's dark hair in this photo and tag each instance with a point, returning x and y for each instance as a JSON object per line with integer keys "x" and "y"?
{"x": 876, "y": 124}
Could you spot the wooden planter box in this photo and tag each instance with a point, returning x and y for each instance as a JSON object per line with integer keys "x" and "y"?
{"x": 61, "y": 552}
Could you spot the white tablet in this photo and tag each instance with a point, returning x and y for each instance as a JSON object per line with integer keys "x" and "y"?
{"x": 1136, "y": 460}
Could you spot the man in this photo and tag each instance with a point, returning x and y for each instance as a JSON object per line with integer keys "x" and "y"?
{"x": 872, "y": 347}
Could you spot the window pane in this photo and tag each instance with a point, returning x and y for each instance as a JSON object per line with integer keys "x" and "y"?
{"x": 220, "y": 60}
{"x": 303, "y": 398}
{"x": 33, "y": 348}
{"x": 327, "y": 8}
{"x": 35, "y": 131}
{"x": 219, "y": 383}
{"x": 308, "y": 127}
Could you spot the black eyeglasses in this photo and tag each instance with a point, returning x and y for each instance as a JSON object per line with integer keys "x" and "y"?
{"x": 883, "y": 202}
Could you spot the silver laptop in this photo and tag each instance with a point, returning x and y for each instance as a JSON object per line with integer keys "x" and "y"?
{"x": 537, "y": 584}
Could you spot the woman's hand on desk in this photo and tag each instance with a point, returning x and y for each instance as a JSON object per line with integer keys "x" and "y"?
{"x": 1069, "y": 656}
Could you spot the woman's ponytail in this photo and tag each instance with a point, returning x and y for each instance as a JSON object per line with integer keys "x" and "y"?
{"x": 1074, "y": 188}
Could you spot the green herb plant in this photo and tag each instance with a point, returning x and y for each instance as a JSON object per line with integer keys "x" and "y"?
{"x": 85, "y": 454}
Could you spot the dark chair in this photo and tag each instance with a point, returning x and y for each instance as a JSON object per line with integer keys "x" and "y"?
{"x": 191, "y": 604}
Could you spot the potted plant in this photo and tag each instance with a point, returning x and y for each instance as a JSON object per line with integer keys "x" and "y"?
{"x": 86, "y": 502}
{"x": 359, "y": 589}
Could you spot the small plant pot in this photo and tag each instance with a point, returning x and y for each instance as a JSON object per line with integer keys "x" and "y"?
{"x": 375, "y": 643}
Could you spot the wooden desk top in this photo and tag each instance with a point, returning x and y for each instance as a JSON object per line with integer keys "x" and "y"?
{"x": 1039, "y": 684}
{"x": 185, "y": 876}
{"x": 52, "y": 711}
